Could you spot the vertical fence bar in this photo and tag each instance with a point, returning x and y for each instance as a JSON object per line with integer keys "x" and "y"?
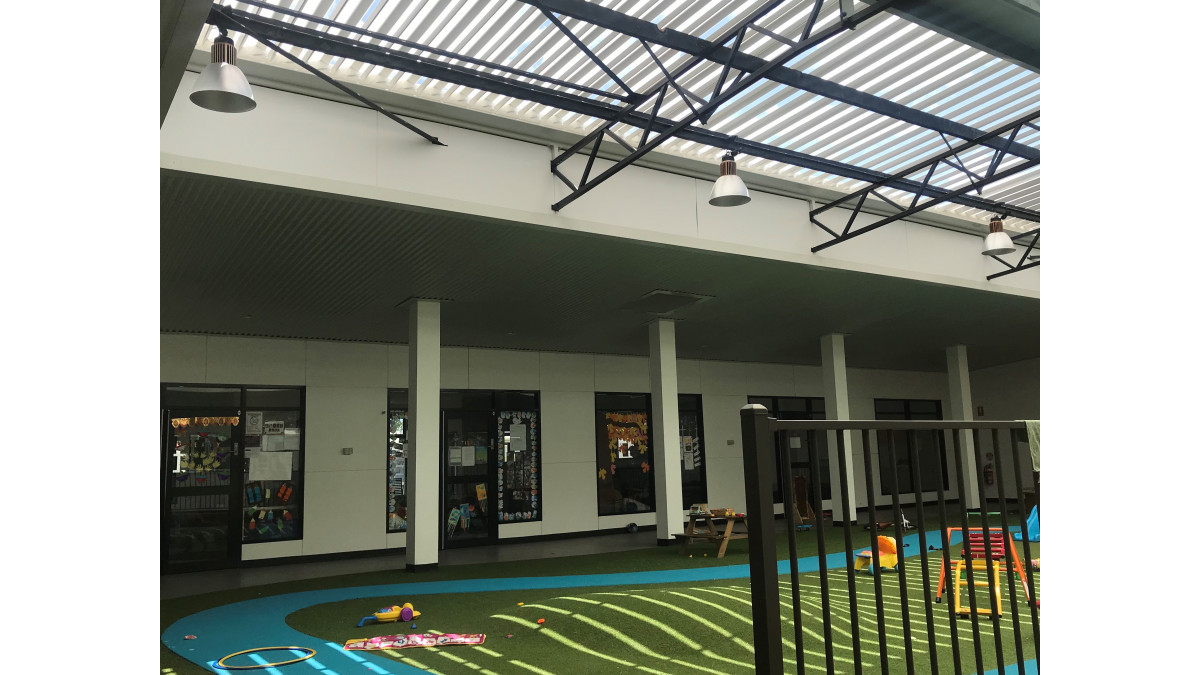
{"x": 914, "y": 471}
{"x": 897, "y": 526}
{"x": 847, "y": 516}
{"x": 989, "y": 554}
{"x": 944, "y": 577}
{"x": 822, "y": 563}
{"x": 876, "y": 568}
{"x": 757, "y": 462}
{"x": 960, "y": 456}
{"x": 1033, "y": 608}
{"x": 789, "y": 499}
{"x": 1012, "y": 590}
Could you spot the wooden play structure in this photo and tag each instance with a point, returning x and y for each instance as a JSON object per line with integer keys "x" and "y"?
{"x": 974, "y": 553}
{"x": 802, "y": 509}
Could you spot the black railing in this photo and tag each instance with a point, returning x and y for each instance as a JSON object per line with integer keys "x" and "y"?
{"x": 961, "y": 551}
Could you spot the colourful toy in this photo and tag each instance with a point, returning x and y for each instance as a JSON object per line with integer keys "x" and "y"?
{"x": 403, "y": 612}
{"x": 887, "y": 555}
{"x": 541, "y": 621}
{"x": 415, "y": 640}
{"x": 221, "y": 663}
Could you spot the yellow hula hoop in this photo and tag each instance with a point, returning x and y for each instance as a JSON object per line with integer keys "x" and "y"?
{"x": 309, "y": 655}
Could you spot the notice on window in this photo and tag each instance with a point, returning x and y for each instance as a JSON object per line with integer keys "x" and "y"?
{"x": 274, "y": 443}
{"x": 517, "y": 435}
{"x": 454, "y": 456}
{"x": 254, "y": 423}
{"x": 481, "y": 454}
{"x": 270, "y": 465}
{"x": 291, "y": 439}
{"x": 689, "y": 459}
{"x": 468, "y": 455}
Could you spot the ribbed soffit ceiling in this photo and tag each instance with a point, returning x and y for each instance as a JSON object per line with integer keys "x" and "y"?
{"x": 886, "y": 56}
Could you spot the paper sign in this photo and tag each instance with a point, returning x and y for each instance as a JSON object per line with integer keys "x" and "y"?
{"x": 273, "y": 427}
{"x": 517, "y": 435}
{"x": 291, "y": 439}
{"x": 454, "y": 456}
{"x": 468, "y": 455}
{"x": 274, "y": 443}
{"x": 481, "y": 454}
{"x": 270, "y": 465}
{"x": 254, "y": 423}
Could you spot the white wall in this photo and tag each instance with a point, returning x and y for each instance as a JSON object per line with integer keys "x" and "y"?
{"x": 353, "y": 151}
{"x": 1009, "y": 392}
{"x": 347, "y": 383}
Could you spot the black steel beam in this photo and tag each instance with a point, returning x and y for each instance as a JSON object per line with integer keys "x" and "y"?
{"x": 638, "y": 28}
{"x": 734, "y": 89}
{"x": 308, "y": 38}
{"x": 1023, "y": 263}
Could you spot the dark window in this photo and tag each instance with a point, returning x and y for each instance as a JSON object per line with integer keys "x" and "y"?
{"x": 274, "y": 438}
{"x": 624, "y": 456}
{"x": 397, "y": 458}
{"x": 932, "y": 468}
{"x": 693, "y": 473}
{"x": 800, "y": 444}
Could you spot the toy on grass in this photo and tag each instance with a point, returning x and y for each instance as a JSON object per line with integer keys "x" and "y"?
{"x": 414, "y": 640}
{"x": 887, "y": 555}
{"x": 403, "y": 612}
{"x": 541, "y": 621}
{"x": 221, "y": 663}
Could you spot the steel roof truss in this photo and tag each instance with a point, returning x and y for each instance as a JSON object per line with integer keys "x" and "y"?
{"x": 1023, "y": 263}
{"x": 975, "y": 182}
{"x": 714, "y": 100}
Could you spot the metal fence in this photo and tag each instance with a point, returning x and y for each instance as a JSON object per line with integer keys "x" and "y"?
{"x": 905, "y": 628}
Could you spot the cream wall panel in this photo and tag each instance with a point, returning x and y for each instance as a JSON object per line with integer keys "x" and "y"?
{"x": 182, "y": 358}
{"x": 722, "y": 423}
{"x": 769, "y": 379}
{"x": 947, "y": 252}
{"x": 237, "y": 360}
{"x": 567, "y": 372}
{"x": 397, "y": 358}
{"x": 622, "y": 373}
{"x": 346, "y": 364}
{"x": 345, "y": 417}
{"x": 269, "y": 550}
{"x": 808, "y": 382}
{"x": 727, "y": 483}
{"x": 455, "y": 366}
{"x": 568, "y": 423}
{"x": 768, "y": 222}
{"x": 512, "y": 530}
{"x": 642, "y": 520}
{"x": 344, "y": 511}
{"x": 688, "y": 373}
{"x": 397, "y": 539}
{"x": 344, "y": 150}
{"x": 885, "y": 247}
{"x": 719, "y": 377}
{"x": 570, "y": 497}
{"x": 502, "y": 369}
{"x": 635, "y": 198}
{"x": 492, "y": 170}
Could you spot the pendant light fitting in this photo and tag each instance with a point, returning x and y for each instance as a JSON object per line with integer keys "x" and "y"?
{"x": 997, "y": 242}
{"x": 222, "y": 86}
{"x": 729, "y": 190}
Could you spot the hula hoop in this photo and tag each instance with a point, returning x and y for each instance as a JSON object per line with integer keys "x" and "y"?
{"x": 221, "y": 663}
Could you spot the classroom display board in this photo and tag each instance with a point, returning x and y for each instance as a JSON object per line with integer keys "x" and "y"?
{"x": 397, "y": 467}
{"x": 271, "y": 493}
{"x": 519, "y": 460}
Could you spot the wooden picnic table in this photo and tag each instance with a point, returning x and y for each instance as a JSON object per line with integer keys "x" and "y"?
{"x": 704, "y": 527}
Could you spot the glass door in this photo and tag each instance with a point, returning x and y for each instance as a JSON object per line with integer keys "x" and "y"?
{"x": 200, "y": 464}
{"x": 468, "y": 475}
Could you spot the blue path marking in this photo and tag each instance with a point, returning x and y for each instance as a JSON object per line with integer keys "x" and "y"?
{"x": 260, "y": 622}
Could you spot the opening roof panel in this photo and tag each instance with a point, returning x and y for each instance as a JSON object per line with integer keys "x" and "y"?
{"x": 886, "y": 57}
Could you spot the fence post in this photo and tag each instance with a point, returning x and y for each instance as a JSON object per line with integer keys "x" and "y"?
{"x": 758, "y": 460}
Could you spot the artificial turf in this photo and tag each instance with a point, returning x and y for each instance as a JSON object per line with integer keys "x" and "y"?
{"x": 667, "y": 628}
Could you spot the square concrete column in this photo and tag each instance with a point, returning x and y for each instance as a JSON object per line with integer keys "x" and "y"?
{"x": 664, "y": 425}
{"x": 961, "y": 408}
{"x": 837, "y": 407}
{"x": 424, "y": 429}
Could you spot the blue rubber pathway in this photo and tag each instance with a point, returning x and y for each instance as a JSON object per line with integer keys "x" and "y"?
{"x": 258, "y": 623}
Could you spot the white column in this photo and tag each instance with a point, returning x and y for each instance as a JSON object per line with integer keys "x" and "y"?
{"x": 961, "y": 408}
{"x": 424, "y": 428}
{"x": 837, "y": 407}
{"x": 664, "y": 423}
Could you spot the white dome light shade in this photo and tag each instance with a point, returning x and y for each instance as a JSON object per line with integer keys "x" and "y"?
{"x": 729, "y": 190}
{"x": 997, "y": 242}
{"x": 222, "y": 87}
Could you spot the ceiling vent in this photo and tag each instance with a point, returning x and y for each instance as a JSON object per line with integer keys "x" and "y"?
{"x": 661, "y": 302}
